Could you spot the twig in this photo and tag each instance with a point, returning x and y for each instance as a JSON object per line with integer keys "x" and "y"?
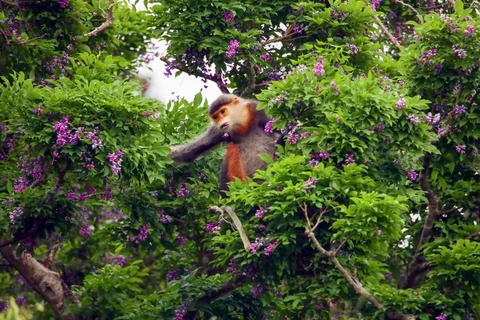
{"x": 236, "y": 222}
{"x": 108, "y": 21}
{"x": 351, "y": 279}
{"x": 410, "y": 7}
{"x": 474, "y": 235}
{"x": 13, "y": 4}
{"x": 387, "y": 33}
{"x": 36, "y": 38}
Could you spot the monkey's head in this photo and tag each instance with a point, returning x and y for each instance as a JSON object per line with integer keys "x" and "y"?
{"x": 231, "y": 114}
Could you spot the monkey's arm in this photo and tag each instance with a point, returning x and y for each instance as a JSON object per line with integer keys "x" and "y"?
{"x": 200, "y": 145}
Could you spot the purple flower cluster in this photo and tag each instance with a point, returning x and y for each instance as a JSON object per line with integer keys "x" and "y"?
{"x": 412, "y": 175}
{"x": 400, "y": 103}
{"x": 265, "y": 57}
{"x": 310, "y": 184}
{"x": 375, "y": 4}
{"x": 58, "y": 62}
{"x": 232, "y": 268}
{"x": 232, "y": 49}
{"x": 427, "y": 56}
{"x": 62, "y": 128}
{"x": 115, "y": 159}
{"x": 318, "y": 68}
{"x": 20, "y": 185}
{"x": 141, "y": 236}
{"x": 441, "y": 317}
{"x": 462, "y": 54}
{"x": 63, "y": 3}
{"x": 353, "y": 48}
{"x": 316, "y": 157}
{"x": 460, "y": 109}
{"x": 182, "y": 240}
{"x": 335, "y": 87}
{"x": 115, "y": 214}
{"x": 228, "y": 15}
{"x": 15, "y": 214}
{"x": 173, "y": 275}
{"x": 82, "y": 219}
{"x": 182, "y": 310}
{"x": 211, "y": 227}
{"x": 338, "y": 15}
{"x": 3, "y": 305}
{"x": 469, "y": 31}
{"x": 413, "y": 119}
{"x": 184, "y": 191}
{"x": 380, "y": 128}
{"x": 433, "y": 119}
{"x": 270, "y": 248}
{"x": 20, "y": 301}
{"x": 117, "y": 260}
{"x": 268, "y": 127}
{"x": 461, "y": 149}
{"x": 258, "y": 290}
{"x": 350, "y": 158}
{"x": 164, "y": 218}
{"x": 260, "y": 213}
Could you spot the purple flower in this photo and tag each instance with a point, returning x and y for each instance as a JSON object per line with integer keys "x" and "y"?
{"x": 141, "y": 236}
{"x": 334, "y": 86}
{"x": 258, "y": 290}
{"x": 318, "y": 68}
{"x": 380, "y": 128}
{"x": 350, "y": 158}
{"x": 85, "y": 230}
{"x": 353, "y": 47}
{"x": 268, "y": 127}
{"x": 265, "y": 57}
{"x": 462, "y": 54}
{"x": 259, "y": 214}
{"x": 232, "y": 49}
{"x": 63, "y": 3}
{"x": 117, "y": 260}
{"x": 228, "y": 15}
{"x": 400, "y": 103}
{"x": 270, "y": 248}
{"x": 412, "y": 175}
{"x": 469, "y": 31}
{"x": 461, "y": 149}
{"x": 427, "y": 56}
{"x": 379, "y": 232}
{"x": 20, "y": 301}
{"x": 115, "y": 159}
{"x": 441, "y": 317}
{"x": 460, "y": 109}
{"x": 432, "y": 119}
{"x": 310, "y": 184}
{"x": 16, "y": 213}
{"x": 211, "y": 227}
{"x": 413, "y": 119}
{"x": 164, "y": 218}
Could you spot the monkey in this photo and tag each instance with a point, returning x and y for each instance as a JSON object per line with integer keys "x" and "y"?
{"x": 240, "y": 126}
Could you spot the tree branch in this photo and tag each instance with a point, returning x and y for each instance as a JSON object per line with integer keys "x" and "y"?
{"x": 474, "y": 235}
{"x": 108, "y": 21}
{"x": 47, "y": 283}
{"x": 386, "y": 32}
{"x": 236, "y": 222}
{"x": 353, "y": 281}
{"x": 251, "y": 79}
{"x": 409, "y": 7}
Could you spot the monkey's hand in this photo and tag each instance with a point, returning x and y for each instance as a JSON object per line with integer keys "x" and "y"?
{"x": 177, "y": 153}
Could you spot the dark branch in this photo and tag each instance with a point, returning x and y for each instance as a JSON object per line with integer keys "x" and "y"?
{"x": 108, "y": 21}
{"x": 251, "y": 79}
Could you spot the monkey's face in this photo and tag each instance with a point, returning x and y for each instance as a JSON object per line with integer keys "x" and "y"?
{"x": 230, "y": 117}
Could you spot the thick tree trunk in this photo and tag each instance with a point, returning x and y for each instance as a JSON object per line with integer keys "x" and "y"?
{"x": 43, "y": 280}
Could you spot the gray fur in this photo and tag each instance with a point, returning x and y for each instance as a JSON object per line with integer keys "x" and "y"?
{"x": 253, "y": 143}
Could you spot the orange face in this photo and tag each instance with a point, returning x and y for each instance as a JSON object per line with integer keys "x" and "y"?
{"x": 234, "y": 117}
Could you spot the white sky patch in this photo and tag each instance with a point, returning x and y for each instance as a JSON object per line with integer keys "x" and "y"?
{"x": 163, "y": 88}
